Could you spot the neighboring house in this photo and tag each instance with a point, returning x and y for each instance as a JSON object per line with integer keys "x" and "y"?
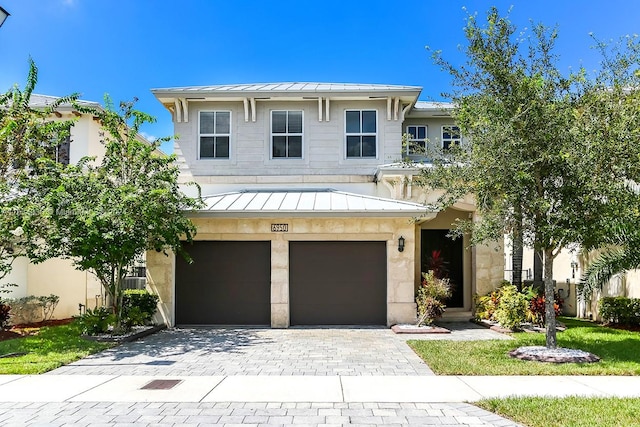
{"x": 76, "y": 289}
{"x": 567, "y": 270}
{"x": 311, "y": 216}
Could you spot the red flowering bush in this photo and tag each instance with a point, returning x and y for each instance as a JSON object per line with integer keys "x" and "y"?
{"x": 536, "y": 313}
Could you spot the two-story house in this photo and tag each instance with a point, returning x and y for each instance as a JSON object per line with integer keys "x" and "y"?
{"x": 310, "y": 215}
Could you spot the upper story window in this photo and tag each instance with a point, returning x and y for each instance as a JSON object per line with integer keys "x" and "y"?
{"x": 417, "y": 143}
{"x": 59, "y": 150}
{"x": 450, "y": 136}
{"x": 214, "y": 134}
{"x": 63, "y": 151}
{"x": 361, "y": 133}
{"x": 286, "y": 134}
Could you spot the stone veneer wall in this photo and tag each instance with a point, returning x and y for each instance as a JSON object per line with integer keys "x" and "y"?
{"x": 400, "y": 265}
{"x": 489, "y": 267}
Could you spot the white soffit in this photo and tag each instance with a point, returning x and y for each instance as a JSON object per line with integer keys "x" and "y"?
{"x": 305, "y": 203}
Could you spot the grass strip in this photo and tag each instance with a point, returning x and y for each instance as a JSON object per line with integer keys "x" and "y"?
{"x": 52, "y": 347}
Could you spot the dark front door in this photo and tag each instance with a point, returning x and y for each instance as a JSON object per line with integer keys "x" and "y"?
{"x": 444, "y": 256}
{"x": 338, "y": 283}
{"x": 228, "y": 283}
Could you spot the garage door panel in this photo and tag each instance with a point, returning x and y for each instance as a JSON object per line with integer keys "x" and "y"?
{"x": 337, "y": 283}
{"x": 227, "y": 283}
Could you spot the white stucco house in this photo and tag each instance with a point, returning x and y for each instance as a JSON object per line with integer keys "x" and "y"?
{"x": 311, "y": 217}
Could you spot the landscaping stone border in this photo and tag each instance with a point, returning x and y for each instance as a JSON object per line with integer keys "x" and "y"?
{"x": 127, "y": 337}
{"x": 553, "y": 355}
{"x": 414, "y": 329}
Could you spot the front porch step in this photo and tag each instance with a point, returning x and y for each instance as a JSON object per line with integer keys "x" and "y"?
{"x": 456, "y": 316}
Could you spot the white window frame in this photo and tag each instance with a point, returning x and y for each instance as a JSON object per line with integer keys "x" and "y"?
{"x": 451, "y": 141}
{"x": 360, "y": 134}
{"x": 417, "y": 140}
{"x": 286, "y": 134}
{"x": 214, "y": 134}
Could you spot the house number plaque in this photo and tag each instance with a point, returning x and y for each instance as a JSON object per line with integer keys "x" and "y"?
{"x": 279, "y": 228}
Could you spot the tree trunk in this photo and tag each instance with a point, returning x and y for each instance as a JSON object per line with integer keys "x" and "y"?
{"x": 516, "y": 257}
{"x": 537, "y": 267}
{"x": 549, "y": 290}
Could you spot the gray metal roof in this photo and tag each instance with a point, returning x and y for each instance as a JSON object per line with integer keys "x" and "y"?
{"x": 42, "y": 101}
{"x": 313, "y": 202}
{"x": 429, "y": 105}
{"x": 291, "y": 87}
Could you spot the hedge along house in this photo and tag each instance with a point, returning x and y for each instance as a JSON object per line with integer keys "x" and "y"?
{"x": 310, "y": 215}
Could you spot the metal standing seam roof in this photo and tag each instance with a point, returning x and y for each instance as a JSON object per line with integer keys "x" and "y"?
{"x": 294, "y": 87}
{"x": 43, "y": 101}
{"x": 306, "y": 202}
{"x": 429, "y": 105}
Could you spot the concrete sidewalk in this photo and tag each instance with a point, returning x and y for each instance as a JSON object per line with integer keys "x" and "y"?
{"x": 341, "y": 389}
{"x": 90, "y": 400}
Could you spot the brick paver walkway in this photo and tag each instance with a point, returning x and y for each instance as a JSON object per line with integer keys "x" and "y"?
{"x": 247, "y": 414}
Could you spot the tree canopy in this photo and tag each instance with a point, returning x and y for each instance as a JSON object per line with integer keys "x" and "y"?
{"x": 105, "y": 217}
{"x": 27, "y": 134}
{"x": 527, "y": 156}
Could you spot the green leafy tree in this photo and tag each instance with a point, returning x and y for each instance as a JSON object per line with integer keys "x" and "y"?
{"x": 27, "y": 135}
{"x": 610, "y": 110}
{"x": 530, "y": 169}
{"x": 105, "y": 217}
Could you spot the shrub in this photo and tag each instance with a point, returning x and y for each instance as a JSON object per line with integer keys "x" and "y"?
{"x": 485, "y": 306}
{"x": 430, "y": 296}
{"x": 622, "y": 310}
{"x": 31, "y": 309}
{"x": 536, "y": 313}
{"x": 512, "y": 308}
{"x": 97, "y": 321}
{"x": 138, "y": 307}
{"x": 5, "y": 311}
{"x": 49, "y": 304}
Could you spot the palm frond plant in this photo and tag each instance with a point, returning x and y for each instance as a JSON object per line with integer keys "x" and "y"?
{"x": 622, "y": 256}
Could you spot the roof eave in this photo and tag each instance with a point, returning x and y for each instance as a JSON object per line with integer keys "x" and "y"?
{"x": 309, "y": 214}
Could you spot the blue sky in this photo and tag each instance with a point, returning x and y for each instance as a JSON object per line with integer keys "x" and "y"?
{"x": 126, "y": 47}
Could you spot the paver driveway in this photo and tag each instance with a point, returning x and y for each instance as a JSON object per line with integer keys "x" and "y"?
{"x": 263, "y": 351}
{"x": 257, "y": 351}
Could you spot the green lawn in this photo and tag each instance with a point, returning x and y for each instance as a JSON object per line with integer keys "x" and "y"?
{"x": 619, "y": 351}
{"x": 567, "y": 412}
{"x": 52, "y": 347}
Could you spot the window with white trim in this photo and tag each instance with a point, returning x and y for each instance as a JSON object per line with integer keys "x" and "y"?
{"x": 417, "y": 142}
{"x": 286, "y": 134}
{"x": 214, "y": 134}
{"x": 361, "y": 133}
{"x": 450, "y": 136}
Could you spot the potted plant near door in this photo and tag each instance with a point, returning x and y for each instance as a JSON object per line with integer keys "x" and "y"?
{"x": 430, "y": 298}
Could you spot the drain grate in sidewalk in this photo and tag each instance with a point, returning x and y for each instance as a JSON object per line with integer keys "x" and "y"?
{"x": 161, "y": 385}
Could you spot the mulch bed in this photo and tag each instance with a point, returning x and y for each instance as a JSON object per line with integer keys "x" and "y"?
{"x": 631, "y": 328}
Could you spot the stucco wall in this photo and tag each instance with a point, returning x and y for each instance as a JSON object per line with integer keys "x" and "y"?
{"x": 324, "y": 146}
{"x": 58, "y": 277}
{"x": 17, "y": 278}
{"x": 400, "y": 265}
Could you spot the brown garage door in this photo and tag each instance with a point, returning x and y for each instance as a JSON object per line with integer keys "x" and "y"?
{"x": 228, "y": 283}
{"x": 338, "y": 283}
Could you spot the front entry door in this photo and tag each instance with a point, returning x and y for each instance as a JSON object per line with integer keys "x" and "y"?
{"x": 441, "y": 253}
